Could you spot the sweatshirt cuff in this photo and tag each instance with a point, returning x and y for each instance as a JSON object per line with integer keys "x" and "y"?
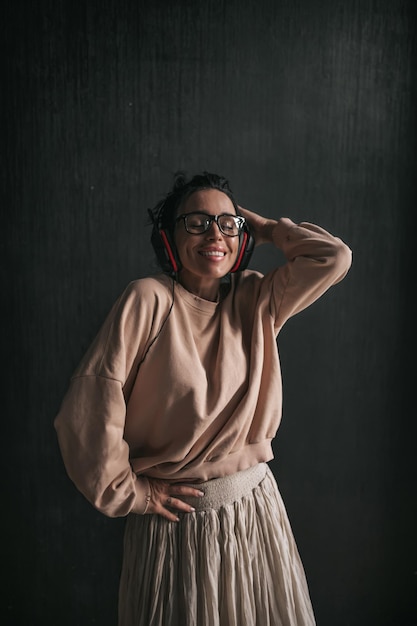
{"x": 280, "y": 233}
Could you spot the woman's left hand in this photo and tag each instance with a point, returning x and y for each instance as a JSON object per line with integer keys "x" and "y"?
{"x": 261, "y": 227}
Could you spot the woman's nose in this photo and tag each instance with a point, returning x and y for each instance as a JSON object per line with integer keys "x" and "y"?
{"x": 213, "y": 231}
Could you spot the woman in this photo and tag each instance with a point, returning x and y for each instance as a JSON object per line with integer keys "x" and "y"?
{"x": 170, "y": 415}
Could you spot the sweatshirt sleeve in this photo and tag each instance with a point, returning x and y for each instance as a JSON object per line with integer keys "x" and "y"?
{"x": 91, "y": 419}
{"x": 316, "y": 260}
{"x": 90, "y": 427}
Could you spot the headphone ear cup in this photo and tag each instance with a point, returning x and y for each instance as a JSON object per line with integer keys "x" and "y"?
{"x": 246, "y": 248}
{"x": 165, "y": 250}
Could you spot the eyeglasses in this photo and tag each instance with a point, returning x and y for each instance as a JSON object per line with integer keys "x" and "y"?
{"x": 199, "y": 223}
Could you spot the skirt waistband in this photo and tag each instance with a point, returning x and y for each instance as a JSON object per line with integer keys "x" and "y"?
{"x": 221, "y": 491}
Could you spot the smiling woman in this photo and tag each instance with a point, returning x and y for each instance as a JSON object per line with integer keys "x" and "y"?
{"x": 207, "y": 252}
{"x": 207, "y": 538}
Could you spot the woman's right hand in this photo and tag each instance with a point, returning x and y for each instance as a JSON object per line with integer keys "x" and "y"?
{"x": 166, "y": 500}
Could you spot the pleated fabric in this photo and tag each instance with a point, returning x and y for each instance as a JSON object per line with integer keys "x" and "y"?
{"x": 234, "y": 562}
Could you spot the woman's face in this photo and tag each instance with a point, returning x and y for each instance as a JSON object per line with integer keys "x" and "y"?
{"x": 209, "y": 256}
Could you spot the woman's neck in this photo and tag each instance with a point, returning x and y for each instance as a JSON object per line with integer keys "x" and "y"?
{"x": 207, "y": 290}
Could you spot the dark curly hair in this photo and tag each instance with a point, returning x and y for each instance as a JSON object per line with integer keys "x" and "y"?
{"x": 166, "y": 210}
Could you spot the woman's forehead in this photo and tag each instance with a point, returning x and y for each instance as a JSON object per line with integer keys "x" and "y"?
{"x": 210, "y": 201}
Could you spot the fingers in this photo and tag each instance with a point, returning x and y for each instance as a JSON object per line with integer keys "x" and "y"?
{"x": 166, "y": 499}
{"x": 183, "y": 490}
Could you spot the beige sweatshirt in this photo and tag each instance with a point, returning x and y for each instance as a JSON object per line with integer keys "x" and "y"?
{"x": 205, "y": 399}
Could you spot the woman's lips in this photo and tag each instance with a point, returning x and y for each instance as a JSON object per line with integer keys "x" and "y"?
{"x": 212, "y": 253}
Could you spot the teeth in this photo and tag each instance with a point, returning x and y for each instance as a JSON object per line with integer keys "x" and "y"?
{"x": 213, "y": 253}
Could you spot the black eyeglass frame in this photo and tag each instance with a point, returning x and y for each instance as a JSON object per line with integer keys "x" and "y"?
{"x": 238, "y": 219}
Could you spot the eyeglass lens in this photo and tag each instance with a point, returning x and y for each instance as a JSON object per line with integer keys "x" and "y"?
{"x": 196, "y": 223}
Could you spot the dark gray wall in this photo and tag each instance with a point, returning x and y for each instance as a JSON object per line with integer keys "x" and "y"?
{"x": 309, "y": 109}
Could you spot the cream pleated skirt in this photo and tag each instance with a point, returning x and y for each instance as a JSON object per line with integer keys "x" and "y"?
{"x": 233, "y": 562}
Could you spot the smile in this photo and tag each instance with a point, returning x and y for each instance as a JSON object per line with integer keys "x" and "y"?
{"x": 212, "y": 253}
